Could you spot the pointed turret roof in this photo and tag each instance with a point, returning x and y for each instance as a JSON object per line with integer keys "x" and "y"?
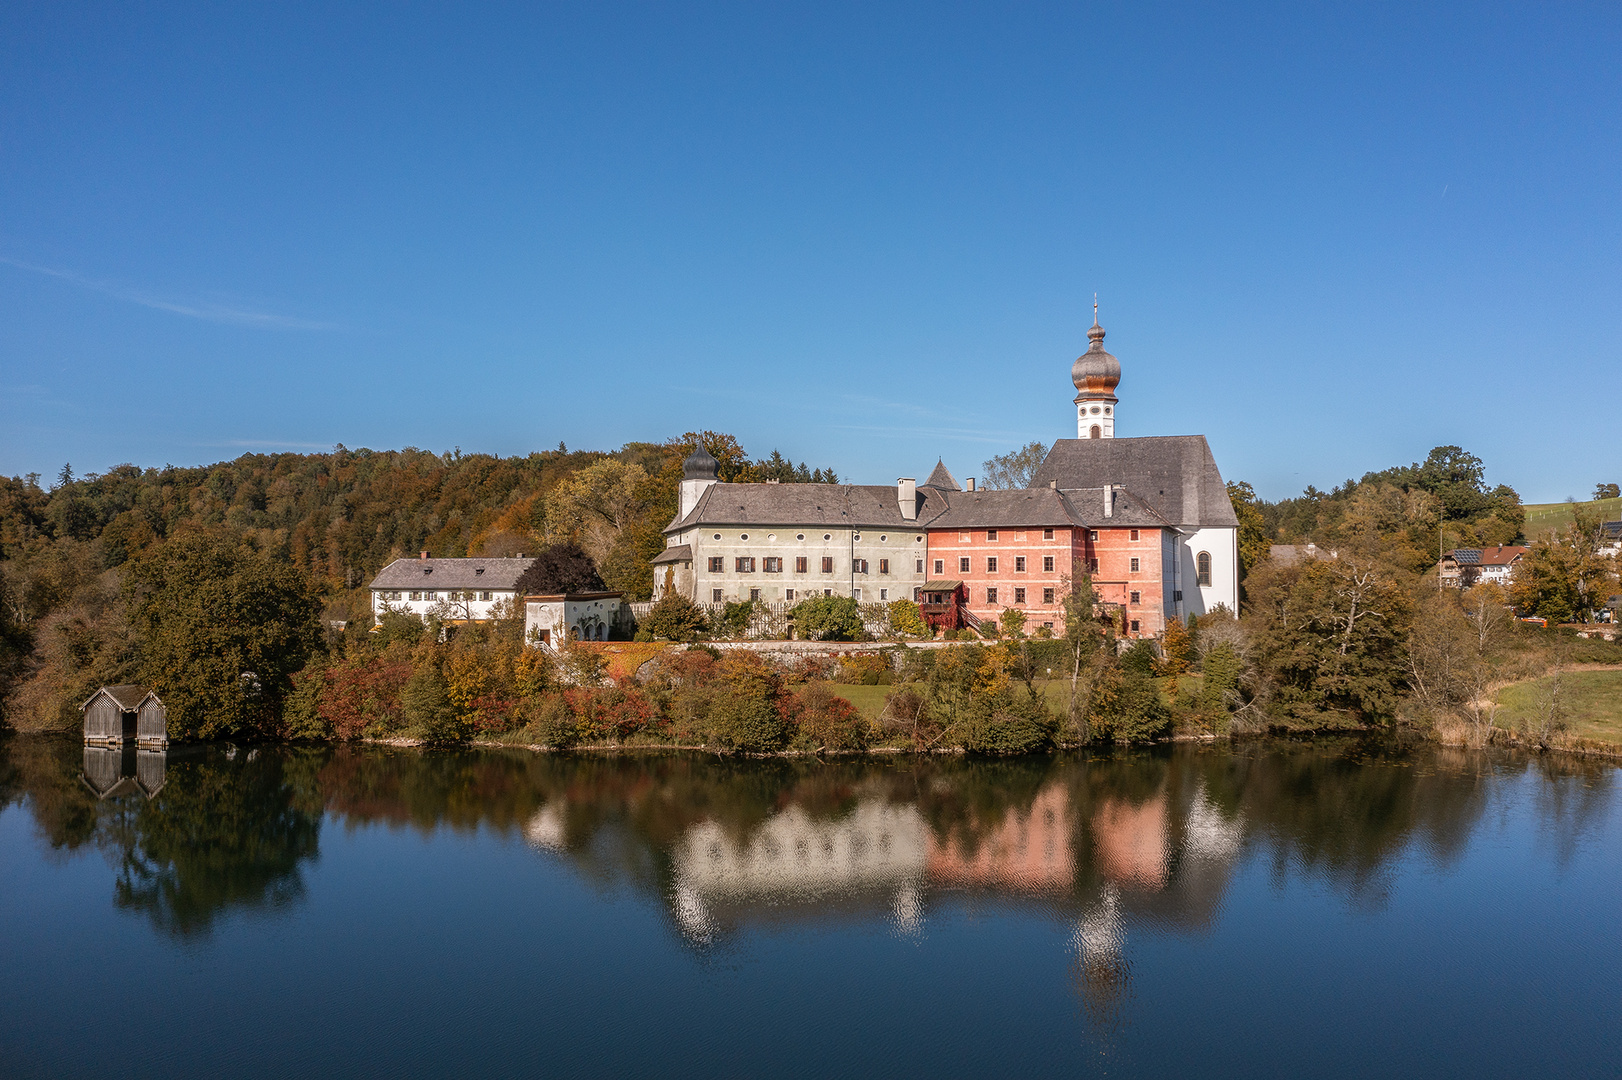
{"x": 942, "y": 479}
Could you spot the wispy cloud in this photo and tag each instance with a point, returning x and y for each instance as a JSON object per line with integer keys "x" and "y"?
{"x": 209, "y": 312}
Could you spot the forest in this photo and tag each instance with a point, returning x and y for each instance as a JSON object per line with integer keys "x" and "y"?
{"x": 240, "y": 590}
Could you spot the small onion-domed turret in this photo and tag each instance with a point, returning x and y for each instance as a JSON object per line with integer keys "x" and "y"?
{"x": 700, "y": 465}
{"x": 1096, "y": 374}
{"x": 1095, "y": 370}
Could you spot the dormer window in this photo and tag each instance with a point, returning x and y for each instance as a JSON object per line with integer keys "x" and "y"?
{"x": 478, "y": 570}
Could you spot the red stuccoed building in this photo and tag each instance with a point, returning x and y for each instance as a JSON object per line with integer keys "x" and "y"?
{"x": 1021, "y": 548}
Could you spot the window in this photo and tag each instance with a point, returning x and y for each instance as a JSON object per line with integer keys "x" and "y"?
{"x": 884, "y": 566}
{"x": 430, "y": 596}
{"x": 1092, "y": 566}
{"x": 718, "y": 564}
{"x": 991, "y": 534}
{"x": 1134, "y": 626}
{"x": 828, "y": 536}
{"x": 1047, "y": 534}
{"x": 1202, "y": 568}
{"x": 416, "y": 596}
{"x": 940, "y": 566}
{"x": 827, "y": 592}
{"x": 745, "y": 564}
{"x": 754, "y": 594}
{"x": 1137, "y": 597}
{"x": 715, "y": 596}
{"x": 486, "y": 596}
{"x": 920, "y": 566}
{"x": 963, "y": 565}
{"x": 991, "y": 565}
{"x": 1135, "y": 566}
{"x": 743, "y": 536}
{"x": 1177, "y": 595}
{"x": 858, "y": 566}
{"x": 800, "y": 562}
{"x": 1134, "y": 534}
{"x": 1047, "y": 598}
{"x": 884, "y": 594}
{"x": 1047, "y": 564}
{"x": 1019, "y": 596}
{"x": 799, "y": 536}
{"x": 788, "y": 594}
{"x": 1092, "y": 535}
{"x": 828, "y": 565}
{"x": 883, "y": 537}
{"x": 991, "y": 596}
{"x": 1048, "y": 625}
{"x": 771, "y": 565}
{"x": 1019, "y": 564}
{"x": 856, "y": 594}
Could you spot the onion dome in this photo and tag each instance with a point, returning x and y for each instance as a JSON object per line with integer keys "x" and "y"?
{"x": 700, "y": 465}
{"x": 1096, "y": 371}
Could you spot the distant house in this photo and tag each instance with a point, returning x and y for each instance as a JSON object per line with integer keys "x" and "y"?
{"x": 1463, "y": 567}
{"x": 1290, "y": 554}
{"x": 457, "y": 590}
{"x": 1610, "y": 538}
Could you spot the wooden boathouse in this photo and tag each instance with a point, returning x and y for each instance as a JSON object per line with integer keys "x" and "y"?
{"x": 115, "y": 715}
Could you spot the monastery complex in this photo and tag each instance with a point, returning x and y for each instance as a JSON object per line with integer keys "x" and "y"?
{"x": 1147, "y": 518}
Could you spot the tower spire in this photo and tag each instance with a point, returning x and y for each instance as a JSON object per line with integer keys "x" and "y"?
{"x": 1095, "y": 374}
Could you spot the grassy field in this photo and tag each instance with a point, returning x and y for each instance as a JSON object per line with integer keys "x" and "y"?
{"x": 1552, "y": 517}
{"x": 1592, "y": 699}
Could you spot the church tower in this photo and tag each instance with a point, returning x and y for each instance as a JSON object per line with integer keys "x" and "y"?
{"x": 1096, "y": 374}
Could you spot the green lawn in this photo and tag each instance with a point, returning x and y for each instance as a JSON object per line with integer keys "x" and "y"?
{"x": 1592, "y": 699}
{"x": 1552, "y": 517}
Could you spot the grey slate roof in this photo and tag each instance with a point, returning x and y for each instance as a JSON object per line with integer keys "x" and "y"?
{"x": 127, "y": 696}
{"x": 818, "y": 506}
{"x": 941, "y": 478}
{"x": 1044, "y": 508}
{"x": 678, "y": 553}
{"x": 1174, "y": 474}
{"x": 495, "y": 574}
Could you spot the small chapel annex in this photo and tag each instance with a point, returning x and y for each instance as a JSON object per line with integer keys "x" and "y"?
{"x": 1147, "y": 518}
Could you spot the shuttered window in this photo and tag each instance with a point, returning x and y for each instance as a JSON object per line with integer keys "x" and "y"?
{"x": 773, "y": 565}
{"x": 799, "y": 564}
{"x": 745, "y": 564}
{"x": 827, "y": 564}
{"x": 884, "y": 566}
{"x": 718, "y": 564}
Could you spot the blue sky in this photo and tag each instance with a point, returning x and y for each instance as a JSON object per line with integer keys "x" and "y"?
{"x": 1329, "y": 237}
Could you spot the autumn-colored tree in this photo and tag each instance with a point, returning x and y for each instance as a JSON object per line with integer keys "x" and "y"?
{"x": 222, "y": 629}
{"x": 1563, "y": 578}
{"x": 1331, "y": 640}
{"x": 1014, "y": 469}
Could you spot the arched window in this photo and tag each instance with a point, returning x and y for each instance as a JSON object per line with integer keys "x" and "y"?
{"x": 1095, "y": 432}
{"x": 1202, "y": 568}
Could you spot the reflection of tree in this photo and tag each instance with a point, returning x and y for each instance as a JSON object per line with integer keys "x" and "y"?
{"x": 227, "y": 832}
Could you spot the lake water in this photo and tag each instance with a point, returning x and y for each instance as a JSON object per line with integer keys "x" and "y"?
{"x": 1345, "y": 909}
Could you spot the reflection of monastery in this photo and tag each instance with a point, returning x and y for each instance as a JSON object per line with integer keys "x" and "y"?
{"x": 1166, "y": 857}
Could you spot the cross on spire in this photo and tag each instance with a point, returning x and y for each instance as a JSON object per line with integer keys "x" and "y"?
{"x": 1095, "y": 309}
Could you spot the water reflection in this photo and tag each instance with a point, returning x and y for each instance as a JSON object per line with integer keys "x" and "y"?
{"x": 1102, "y": 844}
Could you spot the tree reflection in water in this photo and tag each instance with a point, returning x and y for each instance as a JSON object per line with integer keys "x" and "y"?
{"x": 1106, "y": 843}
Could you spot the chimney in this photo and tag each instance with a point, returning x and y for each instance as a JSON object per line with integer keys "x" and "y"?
{"x": 1109, "y": 500}
{"x": 971, "y": 484}
{"x": 906, "y": 496}
{"x": 1053, "y": 485}
{"x": 423, "y": 555}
